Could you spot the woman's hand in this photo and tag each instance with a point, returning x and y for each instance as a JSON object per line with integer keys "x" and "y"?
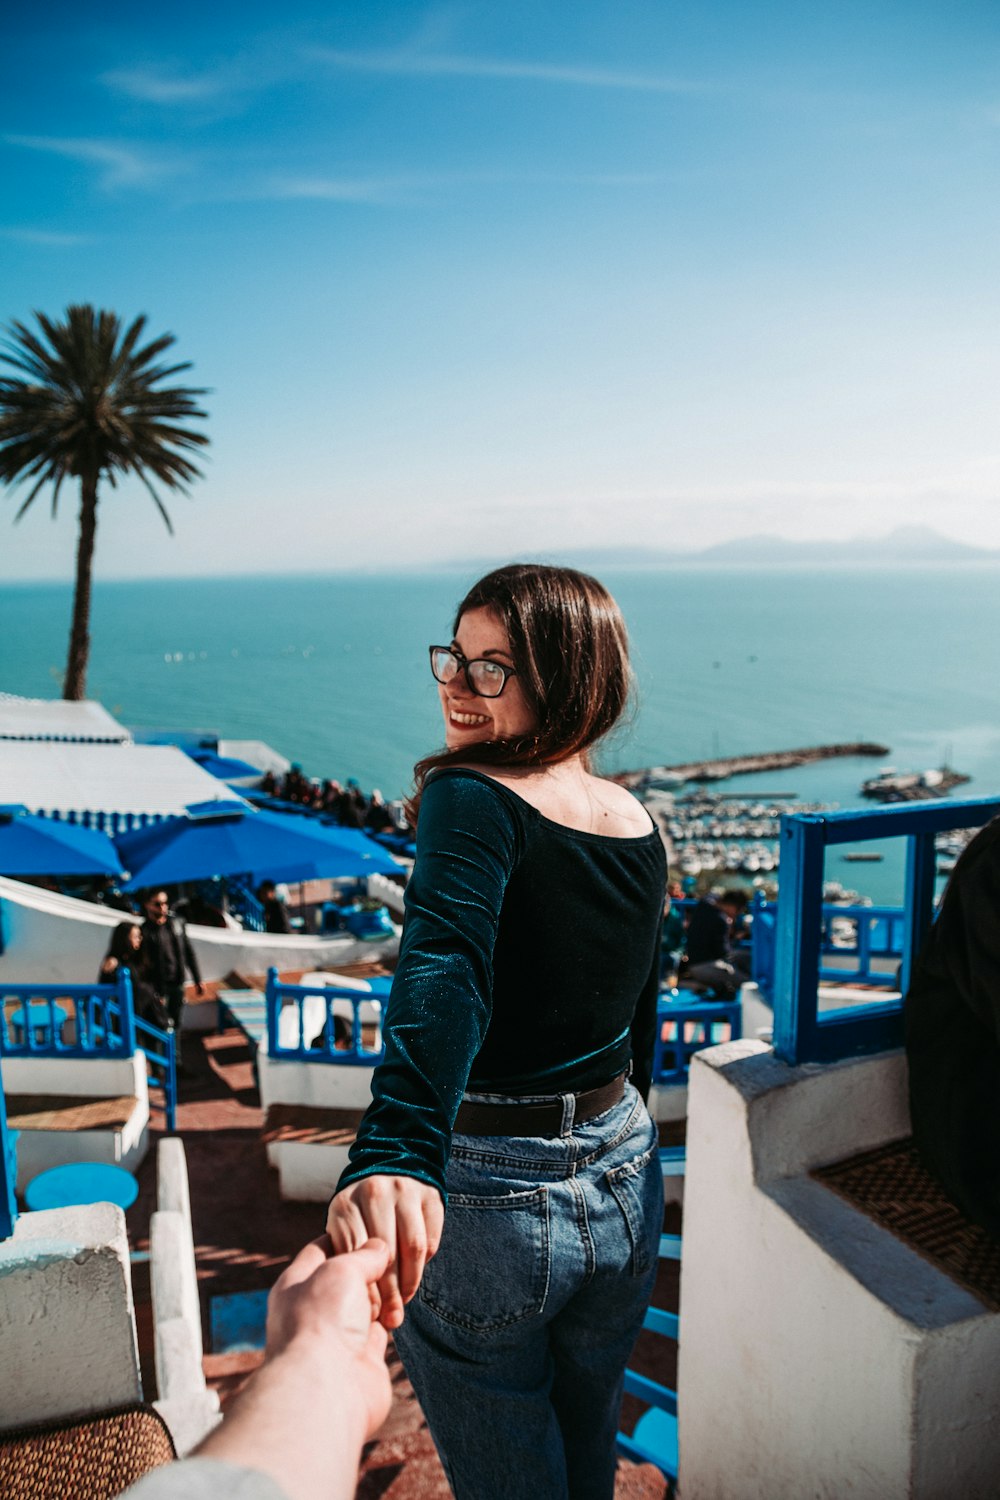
{"x": 408, "y": 1215}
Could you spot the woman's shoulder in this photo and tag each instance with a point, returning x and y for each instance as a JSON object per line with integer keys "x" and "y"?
{"x": 474, "y": 788}
{"x": 588, "y": 805}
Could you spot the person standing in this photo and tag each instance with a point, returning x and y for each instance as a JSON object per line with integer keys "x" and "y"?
{"x": 168, "y": 955}
{"x": 275, "y": 915}
{"x": 524, "y": 996}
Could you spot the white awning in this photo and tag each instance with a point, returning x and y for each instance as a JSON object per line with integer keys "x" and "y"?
{"x": 105, "y": 786}
{"x": 56, "y": 719}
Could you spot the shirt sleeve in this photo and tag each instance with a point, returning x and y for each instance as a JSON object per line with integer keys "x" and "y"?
{"x": 469, "y": 840}
{"x": 205, "y": 1479}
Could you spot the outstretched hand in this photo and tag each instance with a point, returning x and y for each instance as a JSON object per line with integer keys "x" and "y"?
{"x": 323, "y": 1387}
{"x": 408, "y": 1215}
{"x": 336, "y": 1301}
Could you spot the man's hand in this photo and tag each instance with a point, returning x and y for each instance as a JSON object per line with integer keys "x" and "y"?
{"x": 408, "y": 1215}
{"x": 336, "y": 1301}
{"x": 323, "y": 1387}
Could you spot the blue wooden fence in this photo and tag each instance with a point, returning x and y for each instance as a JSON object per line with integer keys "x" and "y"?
{"x": 102, "y": 1016}
{"x": 872, "y": 941}
{"x": 317, "y": 1043}
{"x": 34, "y": 1021}
{"x": 801, "y": 1034}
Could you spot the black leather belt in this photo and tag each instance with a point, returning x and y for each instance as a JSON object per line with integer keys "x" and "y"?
{"x": 535, "y": 1119}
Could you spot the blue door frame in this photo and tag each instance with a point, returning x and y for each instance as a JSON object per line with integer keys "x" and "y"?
{"x": 801, "y": 1034}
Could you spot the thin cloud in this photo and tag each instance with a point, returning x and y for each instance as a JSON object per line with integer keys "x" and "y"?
{"x": 410, "y": 63}
{"x": 335, "y": 189}
{"x": 417, "y": 187}
{"x": 25, "y": 235}
{"x": 120, "y": 166}
{"x": 157, "y": 87}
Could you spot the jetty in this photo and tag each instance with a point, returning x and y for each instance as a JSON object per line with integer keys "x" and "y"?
{"x": 743, "y": 765}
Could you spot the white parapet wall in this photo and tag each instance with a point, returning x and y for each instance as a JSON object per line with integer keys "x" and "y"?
{"x": 309, "y": 1171}
{"x": 83, "y": 1078}
{"x": 67, "y": 1325}
{"x": 189, "y": 1409}
{"x": 53, "y": 939}
{"x": 819, "y": 1355}
{"x": 321, "y": 1085}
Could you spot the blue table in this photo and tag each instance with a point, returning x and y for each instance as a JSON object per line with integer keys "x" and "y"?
{"x": 82, "y": 1182}
{"x": 40, "y": 1016}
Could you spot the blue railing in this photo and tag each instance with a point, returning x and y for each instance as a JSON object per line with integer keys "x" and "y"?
{"x": 870, "y": 936}
{"x": 35, "y": 1019}
{"x": 686, "y": 1024}
{"x": 801, "y": 1034}
{"x": 161, "y": 1058}
{"x": 226, "y": 891}
{"x": 315, "y": 1035}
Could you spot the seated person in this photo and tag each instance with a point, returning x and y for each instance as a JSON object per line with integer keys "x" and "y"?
{"x": 951, "y": 1017}
{"x": 711, "y": 960}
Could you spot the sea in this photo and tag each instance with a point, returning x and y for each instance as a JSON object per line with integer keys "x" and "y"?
{"x": 332, "y": 670}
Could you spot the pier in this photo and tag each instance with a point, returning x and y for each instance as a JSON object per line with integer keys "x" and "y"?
{"x": 743, "y": 765}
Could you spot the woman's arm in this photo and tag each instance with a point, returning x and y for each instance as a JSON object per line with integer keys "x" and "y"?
{"x": 468, "y": 842}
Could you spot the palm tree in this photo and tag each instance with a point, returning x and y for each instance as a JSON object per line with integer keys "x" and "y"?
{"x": 90, "y": 404}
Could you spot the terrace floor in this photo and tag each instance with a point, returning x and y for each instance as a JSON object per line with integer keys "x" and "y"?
{"x": 245, "y": 1235}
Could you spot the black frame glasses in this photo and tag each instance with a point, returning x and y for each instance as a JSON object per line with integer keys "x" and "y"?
{"x": 481, "y": 683}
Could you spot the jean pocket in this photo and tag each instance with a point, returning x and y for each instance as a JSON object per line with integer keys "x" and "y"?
{"x": 492, "y": 1267}
{"x": 637, "y": 1187}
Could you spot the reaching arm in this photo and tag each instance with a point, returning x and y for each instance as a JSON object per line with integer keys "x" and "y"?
{"x": 295, "y": 1432}
{"x": 468, "y": 842}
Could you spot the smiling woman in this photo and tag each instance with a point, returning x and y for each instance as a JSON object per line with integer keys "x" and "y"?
{"x": 481, "y": 698}
{"x": 519, "y": 1038}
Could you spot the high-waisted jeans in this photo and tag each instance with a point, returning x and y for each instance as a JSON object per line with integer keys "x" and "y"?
{"x": 517, "y": 1340}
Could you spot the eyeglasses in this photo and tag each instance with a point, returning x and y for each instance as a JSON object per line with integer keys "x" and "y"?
{"x": 485, "y": 678}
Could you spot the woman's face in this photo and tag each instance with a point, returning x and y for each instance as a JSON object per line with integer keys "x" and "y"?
{"x": 469, "y": 719}
{"x": 135, "y": 938}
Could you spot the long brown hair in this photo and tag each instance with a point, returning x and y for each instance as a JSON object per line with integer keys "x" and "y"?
{"x": 570, "y": 649}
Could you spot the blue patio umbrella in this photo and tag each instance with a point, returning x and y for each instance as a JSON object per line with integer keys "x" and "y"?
{"x": 32, "y": 845}
{"x": 225, "y": 767}
{"x": 218, "y": 838}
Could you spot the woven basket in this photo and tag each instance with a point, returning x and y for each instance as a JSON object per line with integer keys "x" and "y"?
{"x": 91, "y": 1458}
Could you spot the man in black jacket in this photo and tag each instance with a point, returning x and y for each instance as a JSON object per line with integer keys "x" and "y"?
{"x": 169, "y": 953}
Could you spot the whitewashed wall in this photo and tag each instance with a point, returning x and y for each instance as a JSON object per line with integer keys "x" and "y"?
{"x": 53, "y": 939}
{"x": 819, "y": 1355}
{"x": 67, "y": 1327}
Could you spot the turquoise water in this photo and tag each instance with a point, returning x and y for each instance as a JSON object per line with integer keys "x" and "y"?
{"x": 332, "y": 670}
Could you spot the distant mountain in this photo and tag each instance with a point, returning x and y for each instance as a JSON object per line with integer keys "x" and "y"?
{"x": 906, "y": 544}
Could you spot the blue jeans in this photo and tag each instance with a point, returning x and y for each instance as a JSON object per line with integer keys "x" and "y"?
{"x": 517, "y": 1340}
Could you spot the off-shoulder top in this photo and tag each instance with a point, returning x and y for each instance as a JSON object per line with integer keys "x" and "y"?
{"x": 529, "y": 964}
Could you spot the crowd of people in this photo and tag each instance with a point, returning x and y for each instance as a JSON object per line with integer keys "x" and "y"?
{"x": 347, "y": 803}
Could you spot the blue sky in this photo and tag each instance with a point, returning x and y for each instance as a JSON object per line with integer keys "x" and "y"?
{"x": 522, "y": 277}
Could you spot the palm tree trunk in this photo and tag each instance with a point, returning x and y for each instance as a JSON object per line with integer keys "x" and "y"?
{"x": 75, "y": 685}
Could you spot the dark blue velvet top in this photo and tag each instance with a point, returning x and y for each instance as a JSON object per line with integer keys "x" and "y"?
{"x": 529, "y": 965}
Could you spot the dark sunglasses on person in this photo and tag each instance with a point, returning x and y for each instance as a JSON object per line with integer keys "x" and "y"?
{"x": 485, "y": 678}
